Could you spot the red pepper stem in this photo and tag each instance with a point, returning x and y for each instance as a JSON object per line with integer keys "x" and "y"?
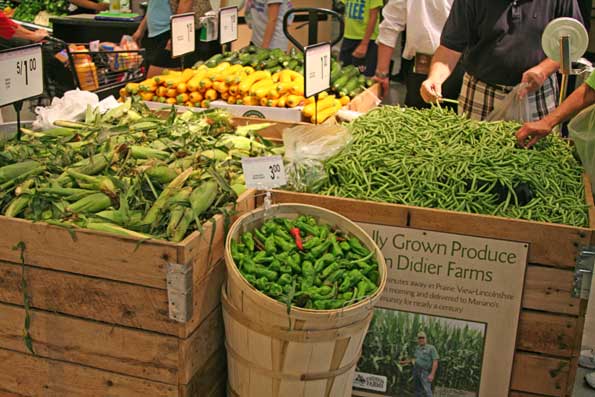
{"x": 295, "y": 232}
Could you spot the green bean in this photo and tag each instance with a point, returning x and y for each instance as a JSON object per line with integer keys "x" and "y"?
{"x": 435, "y": 158}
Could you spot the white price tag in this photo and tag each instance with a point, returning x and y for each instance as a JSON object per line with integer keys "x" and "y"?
{"x": 228, "y": 25}
{"x": 264, "y": 172}
{"x": 182, "y": 34}
{"x": 21, "y": 74}
{"x": 317, "y": 71}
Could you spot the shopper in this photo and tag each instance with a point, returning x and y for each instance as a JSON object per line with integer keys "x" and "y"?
{"x": 581, "y": 98}
{"x": 158, "y": 43}
{"x": 424, "y": 20}
{"x": 425, "y": 365}
{"x": 265, "y": 18}
{"x": 11, "y": 30}
{"x": 501, "y": 40}
{"x": 361, "y": 29}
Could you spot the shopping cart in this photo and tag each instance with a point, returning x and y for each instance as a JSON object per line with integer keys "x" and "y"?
{"x": 101, "y": 68}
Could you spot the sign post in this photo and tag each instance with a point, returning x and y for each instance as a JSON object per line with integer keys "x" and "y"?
{"x": 317, "y": 71}
{"x": 228, "y": 25}
{"x": 182, "y": 35}
{"x": 21, "y": 77}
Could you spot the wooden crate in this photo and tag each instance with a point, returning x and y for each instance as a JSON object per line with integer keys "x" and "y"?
{"x": 551, "y": 321}
{"x": 111, "y": 315}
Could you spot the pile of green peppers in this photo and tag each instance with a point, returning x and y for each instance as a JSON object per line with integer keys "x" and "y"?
{"x": 305, "y": 264}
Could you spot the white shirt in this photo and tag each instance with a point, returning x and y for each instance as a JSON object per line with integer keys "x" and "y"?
{"x": 258, "y": 17}
{"x": 424, "y": 20}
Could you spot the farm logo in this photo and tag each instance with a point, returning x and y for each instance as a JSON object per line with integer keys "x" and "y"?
{"x": 254, "y": 113}
{"x": 363, "y": 380}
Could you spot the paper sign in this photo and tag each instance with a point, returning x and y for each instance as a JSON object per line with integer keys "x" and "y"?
{"x": 228, "y": 25}
{"x": 451, "y": 287}
{"x": 264, "y": 172}
{"x": 21, "y": 74}
{"x": 317, "y": 72}
{"x": 182, "y": 34}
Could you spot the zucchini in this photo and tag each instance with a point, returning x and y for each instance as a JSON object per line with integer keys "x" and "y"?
{"x": 348, "y": 73}
{"x": 214, "y": 60}
{"x": 259, "y": 57}
{"x": 268, "y": 64}
{"x": 245, "y": 58}
{"x": 349, "y": 86}
{"x": 293, "y": 64}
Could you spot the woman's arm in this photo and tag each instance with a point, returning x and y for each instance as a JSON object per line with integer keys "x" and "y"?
{"x": 90, "y": 5}
{"x": 273, "y": 14}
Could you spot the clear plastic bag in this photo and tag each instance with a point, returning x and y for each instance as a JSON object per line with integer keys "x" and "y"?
{"x": 512, "y": 107}
{"x": 582, "y": 131}
{"x": 306, "y": 149}
{"x": 71, "y": 106}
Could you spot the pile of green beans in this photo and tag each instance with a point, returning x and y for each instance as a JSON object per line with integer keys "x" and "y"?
{"x": 434, "y": 158}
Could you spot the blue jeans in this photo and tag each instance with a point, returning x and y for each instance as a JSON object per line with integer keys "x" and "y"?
{"x": 369, "y": 63}
{"x": 423, "y": 387}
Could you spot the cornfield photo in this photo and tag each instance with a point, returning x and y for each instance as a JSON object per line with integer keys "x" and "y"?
{"x": 392, "y": 338}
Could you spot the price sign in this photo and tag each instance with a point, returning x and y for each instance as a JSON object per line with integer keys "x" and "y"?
{"x": 182, "y": 34}
{"x": 21, "y": 74}
{"x": 228, "y": 25}
{"x": 264, "y": 172}
{"x": 317, "y": 70}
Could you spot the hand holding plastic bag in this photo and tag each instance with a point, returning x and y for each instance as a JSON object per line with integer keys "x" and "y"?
{"x": 512, "y": 107}
{"x": 306, "y": 149}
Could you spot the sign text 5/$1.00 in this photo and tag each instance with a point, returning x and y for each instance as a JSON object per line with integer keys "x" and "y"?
{"x": 21, "y": 74}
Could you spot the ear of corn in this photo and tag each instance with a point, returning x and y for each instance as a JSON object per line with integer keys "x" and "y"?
{"x": 115, "y": 229}
{"x": 202, "y": 197}
{"x": 91, "y": 204}
{"x": 13, "y": 171}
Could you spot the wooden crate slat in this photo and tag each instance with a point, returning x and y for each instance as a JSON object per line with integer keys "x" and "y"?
{"x": 122, "y": 350}
{"x": 33, "y": 376}
{"x": 108, "y": 301}
{"x": 539, "y": 374}
{"x": 212, "y": 375}
{"x": 549, "y": 289}
{"x": 93, "y": 253}
{"x": 550, "y": 244}
{"x": 196, "y": 351}
{"x": 547, "y": 333}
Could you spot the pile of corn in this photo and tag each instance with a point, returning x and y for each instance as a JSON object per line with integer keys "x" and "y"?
{"x": 235, "y": 84}
{"x": 129, "y": 172}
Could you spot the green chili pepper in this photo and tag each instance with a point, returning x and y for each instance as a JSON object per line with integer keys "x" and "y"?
{"x": 284, "y": 244}
{"x": 320, "y": 248}
{"x": 335, "y": 275}
{"x": 285, "y": 279}
{"x": 260, "y": 236}
{"x": 311, "y": 243}
{"x": 248, "y": 241}
{"x": 344, "y": 245}
{"x": 306, "y": 228}
{"x": 323, "y": 232}
{"x": 357, "y": 247}
{"x": 274, "y": 290}
{"x": 269, "y": 245}
{"x": 320, "y": 264}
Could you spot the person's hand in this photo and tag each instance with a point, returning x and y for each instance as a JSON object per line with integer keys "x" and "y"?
{"x": 138, "y": 36}
{"x": 39, "y": 34}
{"x": 431, "y": 378}
{"x": 530, "y": 133}
{"x": 430, "y": 91}
{"x": 384, "y": 84}
{"x": 360, "y": 51}
{"x": 533, "y": 80}
{"x": 168, "y": 45}
{"x": 102, "y": 7}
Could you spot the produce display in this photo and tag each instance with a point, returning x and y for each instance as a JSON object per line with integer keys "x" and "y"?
{"x": 306, "y": 264}
{"x": 345, "y": 81}
{"x": 437, "y": 159}
{"x": 27, "y": 10}
{"x": 253, "y": 77}
{"x": 128, "y": 171}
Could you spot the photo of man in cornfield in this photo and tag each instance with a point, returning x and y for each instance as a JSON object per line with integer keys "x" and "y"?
{"x": 424, "y": 365}
{"x": 423, "y": 355}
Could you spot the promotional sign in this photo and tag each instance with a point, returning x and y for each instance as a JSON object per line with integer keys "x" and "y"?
{"x": 451, "y": 301}
{"x": 317, "y": 68}
{"x": 228, "y": 25}
{"x": 264, "y": 172}
{"x": 182, "y": 34}
{"x": 21, "y": 74}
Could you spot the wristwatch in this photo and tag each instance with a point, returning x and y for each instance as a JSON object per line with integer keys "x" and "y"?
{"x": 381, "y": 75}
